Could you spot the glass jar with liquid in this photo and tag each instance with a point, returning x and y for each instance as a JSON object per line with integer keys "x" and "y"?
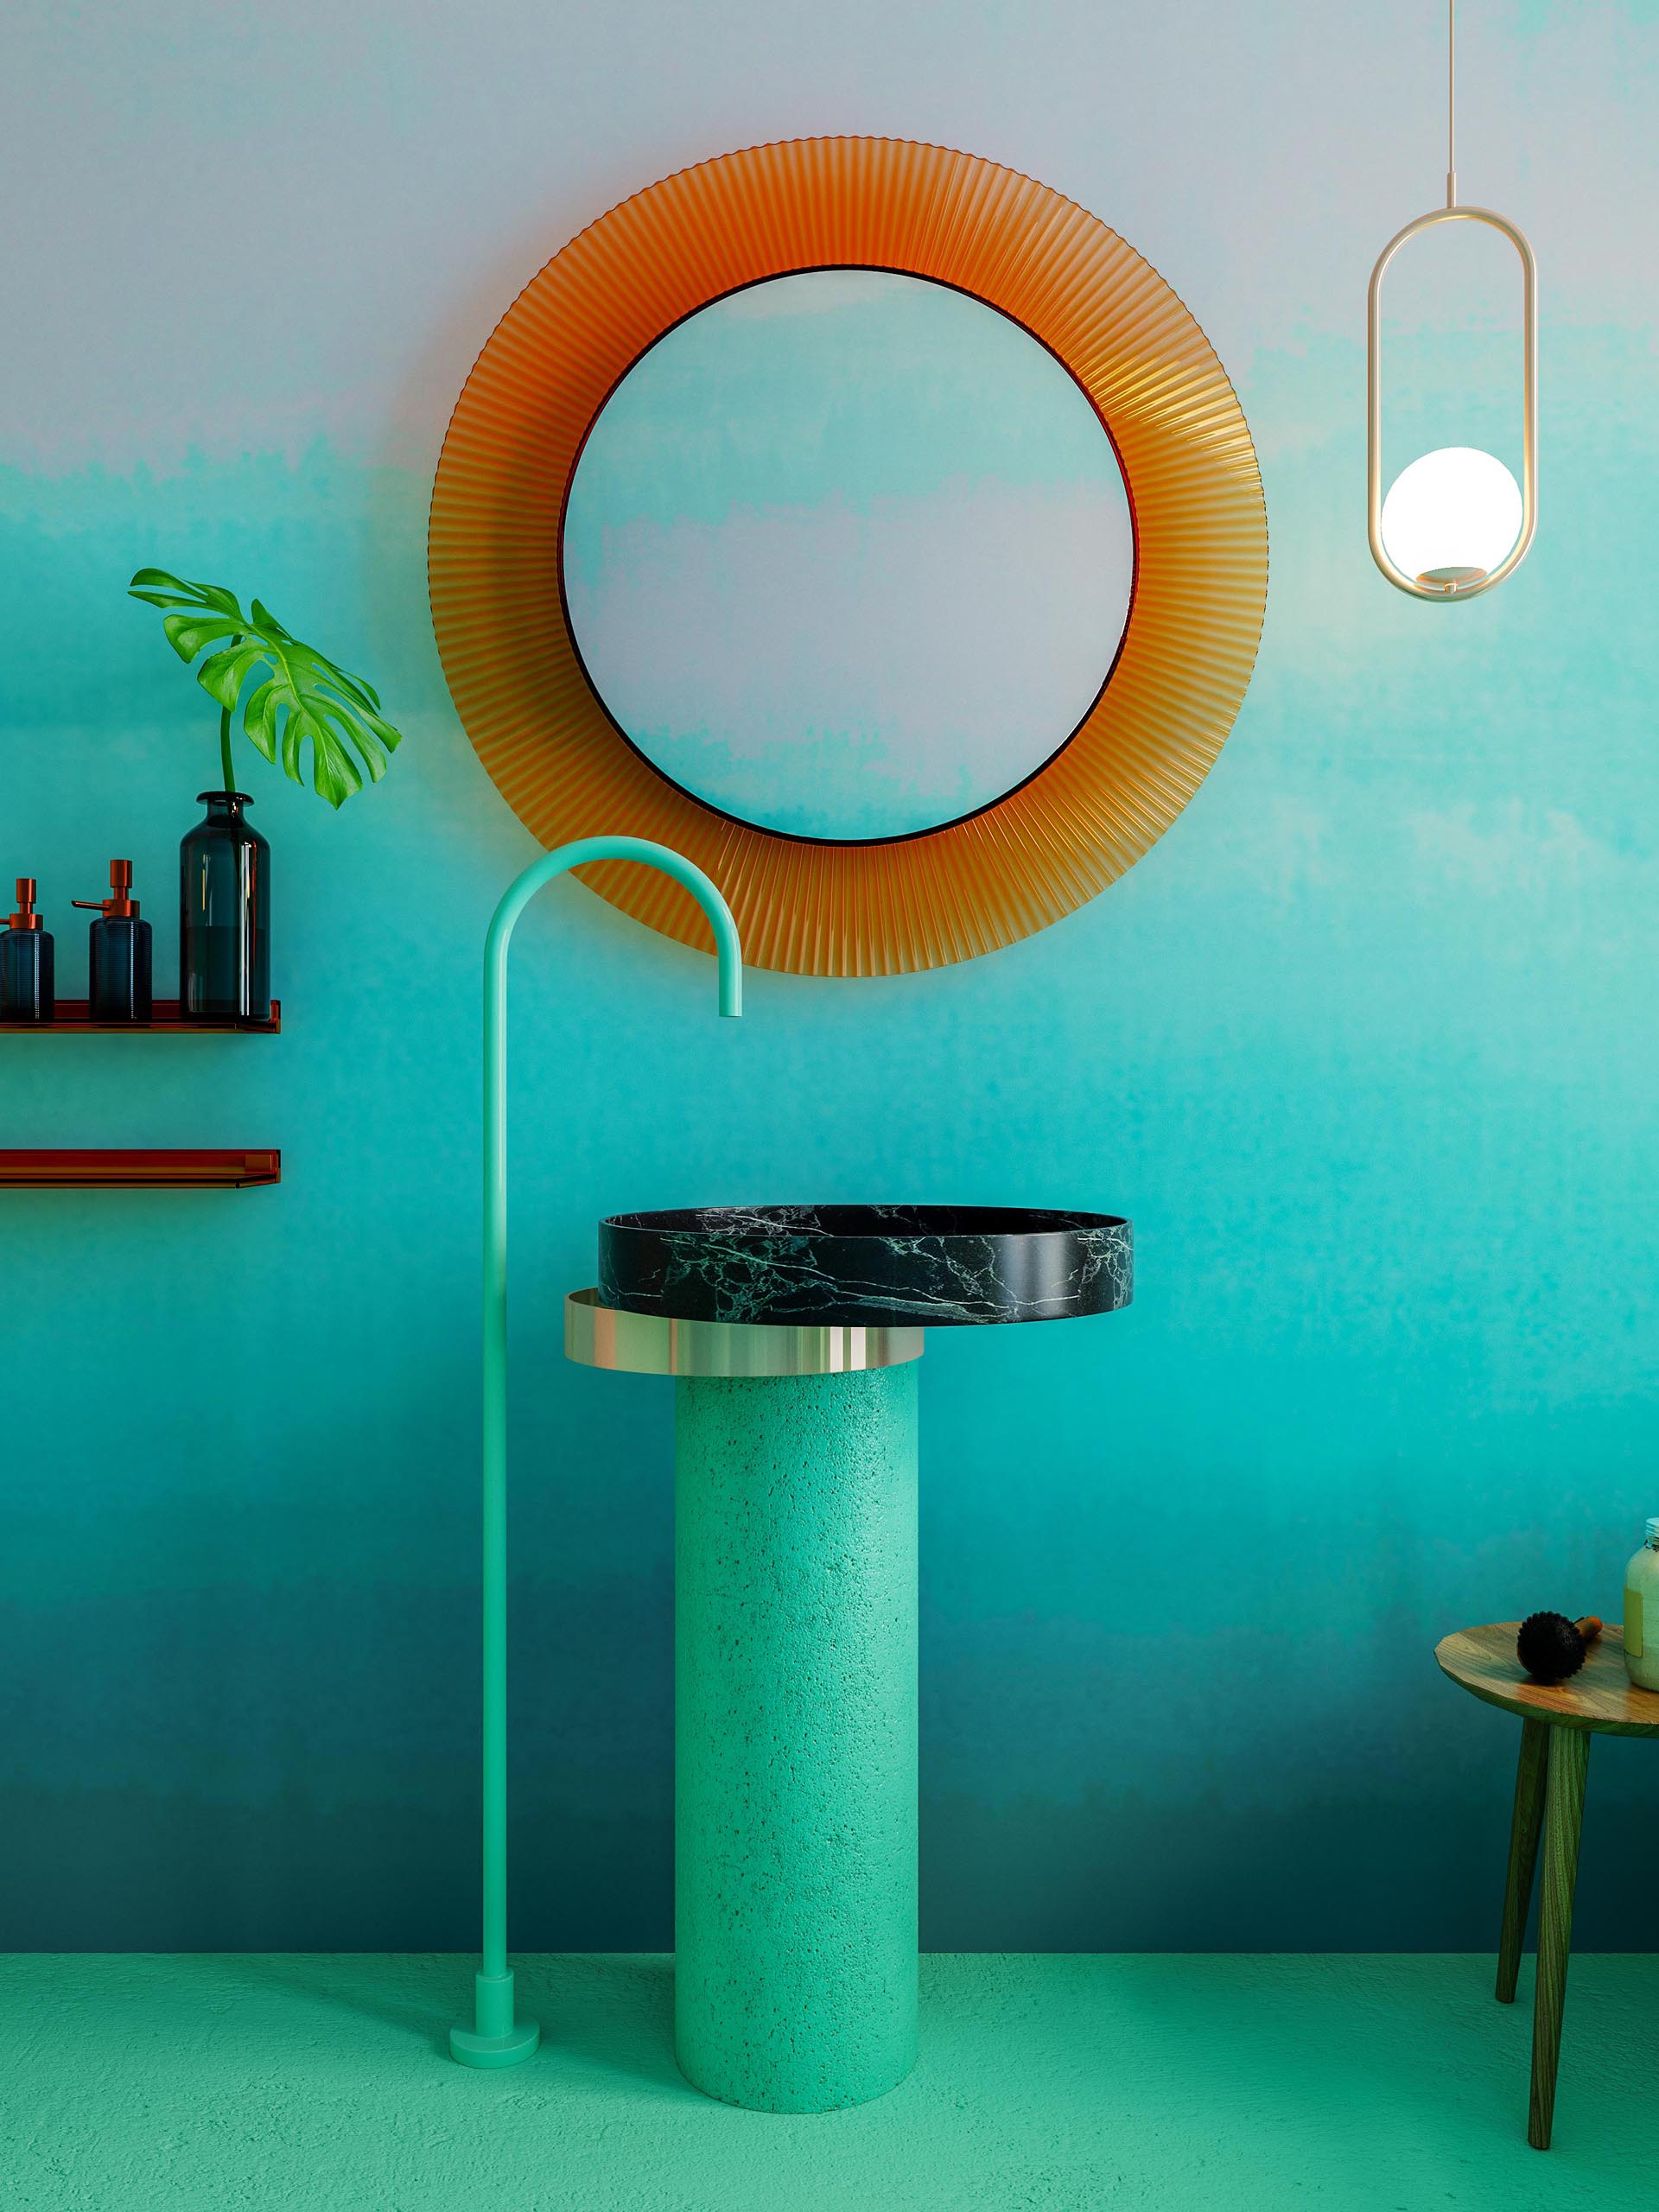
{"x": 26, "y": 979}
{"x": 1642, "y": 1612}
{"x": 117, "y": 962}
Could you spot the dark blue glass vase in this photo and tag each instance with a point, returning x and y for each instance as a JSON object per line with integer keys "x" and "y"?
{"x": 224, "y": 916}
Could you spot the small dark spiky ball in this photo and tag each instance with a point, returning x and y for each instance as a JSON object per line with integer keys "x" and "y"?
{"x": 1550, "y": 1647}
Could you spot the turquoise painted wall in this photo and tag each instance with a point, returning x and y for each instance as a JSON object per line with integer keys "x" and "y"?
{"x": 1366, "y": 1046}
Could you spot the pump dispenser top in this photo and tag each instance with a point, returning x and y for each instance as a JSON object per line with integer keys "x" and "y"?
{"x": 25, "y": 918}
{"x": 118, "y": 904}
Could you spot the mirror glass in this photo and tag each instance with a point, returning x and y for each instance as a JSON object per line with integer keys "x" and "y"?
{"x": 848, "y": 554}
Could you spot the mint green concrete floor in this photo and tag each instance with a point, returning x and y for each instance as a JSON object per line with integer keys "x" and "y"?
{"x": 1113, "y": 2083}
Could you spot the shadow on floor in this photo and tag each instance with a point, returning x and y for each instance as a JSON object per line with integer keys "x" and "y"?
{"x": 415, "y": 1994}
{"x": 602, "y": 2016}
{"x": 614, "y": 2014}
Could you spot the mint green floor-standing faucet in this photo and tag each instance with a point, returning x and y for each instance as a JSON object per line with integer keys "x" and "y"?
{"x": 497, "y": 2038}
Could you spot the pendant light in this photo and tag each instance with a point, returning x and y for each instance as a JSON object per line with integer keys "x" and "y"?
{"x": 1455, "y": 522}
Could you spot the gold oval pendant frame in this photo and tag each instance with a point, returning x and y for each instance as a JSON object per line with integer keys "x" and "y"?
{"x": 1472, "y": 586}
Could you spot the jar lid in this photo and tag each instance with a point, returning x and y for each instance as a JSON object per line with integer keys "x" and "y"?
{"x": 1653, "y": 1528}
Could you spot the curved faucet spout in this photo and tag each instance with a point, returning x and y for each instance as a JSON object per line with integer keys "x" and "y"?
{"x": 496, "y": 2038}
{"x": 578, "y": 854}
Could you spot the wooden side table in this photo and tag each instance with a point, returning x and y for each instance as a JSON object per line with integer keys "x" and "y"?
{"x": 1557, "y": 1722}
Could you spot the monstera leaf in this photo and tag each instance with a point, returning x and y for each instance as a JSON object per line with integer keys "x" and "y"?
{"x": 301, "y": 699}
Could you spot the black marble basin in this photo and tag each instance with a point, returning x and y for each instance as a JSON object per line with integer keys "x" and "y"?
{"x": 866, "y": 1266}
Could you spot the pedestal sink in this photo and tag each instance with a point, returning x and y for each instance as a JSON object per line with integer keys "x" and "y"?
{"x": 793, "y": 1332}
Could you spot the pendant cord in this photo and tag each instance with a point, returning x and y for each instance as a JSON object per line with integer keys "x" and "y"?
{"x": 1451, "y": 103}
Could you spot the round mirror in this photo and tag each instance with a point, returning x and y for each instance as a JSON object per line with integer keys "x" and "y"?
{"x": 847, "y": 554}
{"x": 776, "y": 523}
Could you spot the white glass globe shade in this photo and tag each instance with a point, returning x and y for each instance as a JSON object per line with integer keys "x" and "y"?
{"x": 1451, "y": 517}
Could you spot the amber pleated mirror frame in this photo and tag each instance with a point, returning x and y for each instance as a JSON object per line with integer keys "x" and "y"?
{"x": 815, "y": 907}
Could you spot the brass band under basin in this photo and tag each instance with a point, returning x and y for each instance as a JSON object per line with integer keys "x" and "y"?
{"x": 651, "y": 1343}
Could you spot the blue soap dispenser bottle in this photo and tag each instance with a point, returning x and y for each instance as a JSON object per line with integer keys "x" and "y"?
{"x": 119, "y": 961}
{"x": 26, "y": 981}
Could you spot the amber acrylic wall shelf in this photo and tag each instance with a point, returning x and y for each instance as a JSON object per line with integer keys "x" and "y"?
{"x": 138, "y": 1171}
{"x": 117, "y": 1170}
{"x": 74, "y": 1018}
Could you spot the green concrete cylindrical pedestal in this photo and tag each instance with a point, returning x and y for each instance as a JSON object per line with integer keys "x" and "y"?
{"x": 795, "y": 1736}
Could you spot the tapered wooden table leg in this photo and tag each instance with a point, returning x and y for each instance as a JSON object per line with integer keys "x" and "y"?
{"x": 1569, "y": 1756}
{"x": 1559, "y": 1720}
{"x": 1523, "y": 1853}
